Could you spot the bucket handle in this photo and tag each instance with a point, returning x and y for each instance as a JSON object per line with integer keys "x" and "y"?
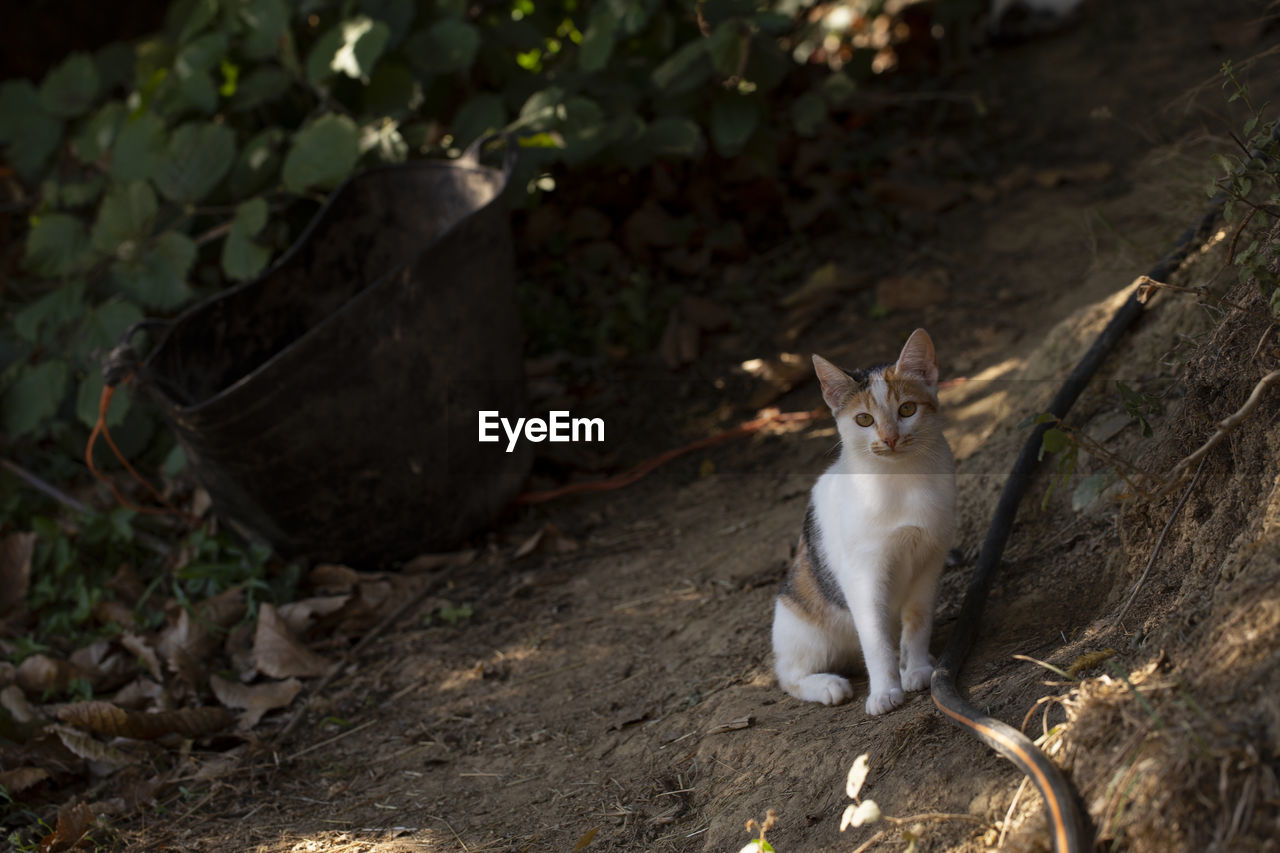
{"x": 123, "y": 358}
{"x": 472, "y": 153}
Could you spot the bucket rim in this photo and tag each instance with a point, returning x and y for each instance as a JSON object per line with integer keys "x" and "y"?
{"x": 464, "y": 163}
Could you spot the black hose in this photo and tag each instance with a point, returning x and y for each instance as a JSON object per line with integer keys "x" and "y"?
{"x": 1067, "y": 823}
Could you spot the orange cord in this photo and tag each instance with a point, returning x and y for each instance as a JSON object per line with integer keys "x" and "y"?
{"x": 100, "y": 428}
{"x": 626, "y": 478}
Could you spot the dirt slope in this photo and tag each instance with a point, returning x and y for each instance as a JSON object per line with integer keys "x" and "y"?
{"x": 614, "y": 692}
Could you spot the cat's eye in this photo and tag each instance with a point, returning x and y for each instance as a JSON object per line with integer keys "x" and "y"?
{"x": 862, "y": 419}
{"x": 907, "y": 409}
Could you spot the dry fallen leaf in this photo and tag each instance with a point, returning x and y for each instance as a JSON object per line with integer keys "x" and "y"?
{"x": 431, "y": 562}
{"x": 185, "y": 646}
{"x": 105, "y": 718}
{"x": 142, "y": 650}
{"x": 40, "y": 673}
{"x": 13, "y": 700}
{"x": 332, "y": 577}
{"x": 16, "y": 551}
{"x": 302, "y": 614}
{"x": 255, "y": 700}
{"x": 84, "y": 746}
{"x": 140, "y": 693}
{"x": 106, "y": 667}
{"x": 277, "y": 653}
{"x": 74, "y": 822}
{"x": 548, "y": 539}
{"x": 20, "y": 779}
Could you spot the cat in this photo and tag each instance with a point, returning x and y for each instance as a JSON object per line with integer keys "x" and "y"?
{"x": 876, "y": 534}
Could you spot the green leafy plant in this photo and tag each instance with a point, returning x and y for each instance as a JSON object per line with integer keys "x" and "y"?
{"x": 1251, "y": 179}
{"x": 158, "y": 171}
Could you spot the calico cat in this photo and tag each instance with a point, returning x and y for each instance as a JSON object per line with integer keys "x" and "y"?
{"x": 876, "y": 534}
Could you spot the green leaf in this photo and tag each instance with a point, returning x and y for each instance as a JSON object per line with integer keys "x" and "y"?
{"x": 598, "y": 40}
{"x": 201, "y": 15}
{"x": 673, "y": 137}
{"x": 767, "y": 65}
{"x": 82, "y": 193}
{"x": 57, "y": 308}
{"x": 30, "y": 133}
{"x": 398, "y": 15}
{"x": 194, "y": 93}
{"x": 539, "y": 112}
{"x": 448, "y": 46}
{"x": 265, "y": 21}
{"x": 104, "y": 326}
{"x": 58, "y": 245}
{"x": 392, "y": 91}
{"x": 585, "y": 128}
{"x": 258, "y": 164}
{"x": 115, "y": 64}
{"x": 261, "y": 86}
{"x": 685, "y": 70}
{"x": 726, "y": 45}
{"x": 363, "y": 40}
{"x": 70, "y": 88}
{"x": 126, "y": 217}
{"x": 808, "y": 113}
{"x": 198, "y": 156}
{"x": 1053, "y": 441}
{"x": 202, "y": 54}
{"x": 90, "y": 395}
{"x": 352, "y": 47}
{"x": 733, "y": 119}
{"x": 479, "y": 115}
{"x": 159, "y": 278}
{"x": 320, "y": 57}
{"x": 34, "y": 397}
{"x": 322, "y": 154}
{"x": 1090, "y": 488}
{"x": 139, "y": 149}
{"x": 98, "y": 134}
{"x": 242, "y": 258}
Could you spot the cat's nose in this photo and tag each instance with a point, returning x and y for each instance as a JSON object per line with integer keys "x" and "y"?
{"x": 891, "y": 440}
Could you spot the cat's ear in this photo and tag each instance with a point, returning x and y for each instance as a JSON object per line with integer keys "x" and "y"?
{"x": 918, "y": 360}
{"x": 836, "y": 384}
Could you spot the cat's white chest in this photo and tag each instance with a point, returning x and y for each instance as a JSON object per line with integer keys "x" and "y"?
{"x": 860, "y": 513}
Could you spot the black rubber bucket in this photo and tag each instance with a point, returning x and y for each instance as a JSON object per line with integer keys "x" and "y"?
{"x": 330, "y": 406}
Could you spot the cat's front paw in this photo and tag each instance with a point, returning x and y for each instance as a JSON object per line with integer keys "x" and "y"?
{"x": 917, "y": 679}
{"x": 825, "y": 687}
{"x": 878, "y": 703}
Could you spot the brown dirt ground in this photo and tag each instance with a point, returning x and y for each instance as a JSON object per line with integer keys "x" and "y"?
{"x": 619, "y": 696}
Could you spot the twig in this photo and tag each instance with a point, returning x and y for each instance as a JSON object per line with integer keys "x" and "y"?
{"x": 1156, "y": 550}
{"x": 1225, "y": 427}
{"x": 1262, "y": 340}
{"x": 141, "y": 536}
{"x": 456, "y": 836}
{"x": 866, "y": 845}
{"x": 333, "y": 739}
{"x": 1008, "y": 816}
{"x": 1146, "y": 285}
